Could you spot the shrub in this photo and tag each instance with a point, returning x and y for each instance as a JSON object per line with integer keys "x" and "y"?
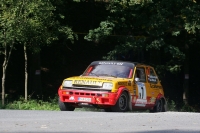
{"x": 33, "y": 104}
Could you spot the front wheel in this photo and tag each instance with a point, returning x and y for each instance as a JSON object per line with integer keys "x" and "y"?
{"x": 122, "y": 103}
{"x": 65, "y": 106}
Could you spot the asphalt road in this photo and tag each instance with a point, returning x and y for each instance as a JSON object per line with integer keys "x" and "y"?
{"x": 26, "y": 121}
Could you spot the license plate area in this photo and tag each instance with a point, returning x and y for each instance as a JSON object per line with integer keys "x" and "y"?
{"x": 84, "y": 99}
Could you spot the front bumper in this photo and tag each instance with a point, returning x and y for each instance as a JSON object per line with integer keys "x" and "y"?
{"x": 90, "y": 97}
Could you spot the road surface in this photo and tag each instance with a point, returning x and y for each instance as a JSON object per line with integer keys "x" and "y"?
{"x": 29, "y": 121}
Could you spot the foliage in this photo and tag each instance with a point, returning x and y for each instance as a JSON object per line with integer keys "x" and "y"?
{"x": 33, "y": 104}
{"x": 52, "y": 104}
{"x": 172, "y": 106}
{"x": 29, "y": 23}
{"x": 99, "y": 33}
{"x": 188, "y": 108}
{"x": 166, "y": 26}
{"x": 33, "y": 22}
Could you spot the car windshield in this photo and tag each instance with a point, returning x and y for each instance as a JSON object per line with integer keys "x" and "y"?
{"x": 109, "y": 70}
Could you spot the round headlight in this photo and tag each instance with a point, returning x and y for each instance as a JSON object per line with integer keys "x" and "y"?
{"x": 67, "y": 83}
{"x": 107, "y": 86}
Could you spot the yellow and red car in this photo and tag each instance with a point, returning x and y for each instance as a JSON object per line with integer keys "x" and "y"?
{"x": 117, "y": 86}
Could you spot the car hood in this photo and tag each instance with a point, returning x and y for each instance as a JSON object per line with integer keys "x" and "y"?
{"x": 94, "y": 80}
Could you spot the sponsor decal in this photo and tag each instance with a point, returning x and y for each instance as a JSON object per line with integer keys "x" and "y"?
{"x": 141, "y": 90}
{"x": 152, "y": 78}
{"x": 71, "y": 98}
{"x": 134, "y": 92}
{"x": 129, "y": 83}
{"x": 134, "y": 99}
{"x": 98, "y": 100}
{"x": 134, "y": 86}
{"x": 155, "y": 86}
{"x": 141, "y": 102}
{"x": 122, "y": 83}
{"x": 152, "y": 100}
{"x": 106, "y": 79}
{"x": 87, "y": 82}
{"x": 111, "y": 63}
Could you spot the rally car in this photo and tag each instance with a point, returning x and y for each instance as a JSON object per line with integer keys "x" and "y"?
{"x": 115, "y": 86}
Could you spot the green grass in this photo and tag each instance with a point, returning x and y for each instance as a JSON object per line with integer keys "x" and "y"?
{"x": 32, "y": 104}
{"x": 52, "y": 104}
{"x": 172, "y": 106}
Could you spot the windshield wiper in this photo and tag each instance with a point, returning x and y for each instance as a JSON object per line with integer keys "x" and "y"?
{"x": 107, "y": 75}
{"x": 88, "y": 73}
{"x": 95, "y": 74}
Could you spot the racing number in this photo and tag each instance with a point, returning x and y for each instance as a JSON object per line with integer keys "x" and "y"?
{"x": 141, "y": 91}
{"x": 141, "y": 100}
{"x": 140, "y": 73}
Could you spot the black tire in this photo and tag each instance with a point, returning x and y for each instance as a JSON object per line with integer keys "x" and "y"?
{"x": 159, "y": 107}
{"x": 121, "y": 104}
{"x": 65, "y": 106}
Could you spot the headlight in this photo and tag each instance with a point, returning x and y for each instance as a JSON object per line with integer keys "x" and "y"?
{"x": 67, "y": 83}
{"x": 107, "y": 86}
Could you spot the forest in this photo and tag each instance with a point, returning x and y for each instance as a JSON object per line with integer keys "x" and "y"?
{"x": 44, "y": 41}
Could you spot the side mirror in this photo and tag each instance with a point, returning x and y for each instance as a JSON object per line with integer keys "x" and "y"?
{"x": 137, "y": 79}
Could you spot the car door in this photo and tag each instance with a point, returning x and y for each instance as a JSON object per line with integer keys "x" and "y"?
{"x": 140, "y": 83}
{"x": 153, "y": 85}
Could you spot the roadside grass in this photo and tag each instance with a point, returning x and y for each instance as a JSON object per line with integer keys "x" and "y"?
{"x": 52, "y": 104}
{"x": 182, "y": 107}
{"x": 32, "y": 104}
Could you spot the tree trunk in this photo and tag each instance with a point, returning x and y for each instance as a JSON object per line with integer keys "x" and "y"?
{"x": 3, "y": 83}
{"x": 26, "y": 73}
{"x": 186, "y": 78}
{"x": 4, "y": 66}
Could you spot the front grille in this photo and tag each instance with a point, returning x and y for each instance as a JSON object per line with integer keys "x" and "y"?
{"x": 87, "y": 86}
{"x": 87, "y": 89}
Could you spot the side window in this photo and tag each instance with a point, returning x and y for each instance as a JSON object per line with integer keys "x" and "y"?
{"x": 140, "y": 73}
{"x": 152, "y": 78}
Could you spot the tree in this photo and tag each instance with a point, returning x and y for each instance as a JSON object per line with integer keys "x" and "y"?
{"x": 34, "y": 26}
{"x": 35, "y": 22}
{"x": 7, "y": 39}
{"x": 164, "y": 28}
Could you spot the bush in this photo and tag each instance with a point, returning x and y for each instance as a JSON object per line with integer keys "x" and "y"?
{"x": 188, "y": 108}
{"x": 52, "y": 104}
{"x": 171, "y": 106}
{"x": 33, "y": 104}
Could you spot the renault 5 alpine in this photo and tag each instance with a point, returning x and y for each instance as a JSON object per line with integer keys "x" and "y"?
{"x": 115, "y": 86}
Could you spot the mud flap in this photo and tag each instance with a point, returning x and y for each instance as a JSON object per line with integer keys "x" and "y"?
{"x": 165, "y": 106}
{"x": 130, "y": 102}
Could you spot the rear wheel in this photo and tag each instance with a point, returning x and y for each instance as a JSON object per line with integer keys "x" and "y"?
{"x": 122, "y": 103}
{"x": 65, "y": 106}
{"x": 159, "y": 107}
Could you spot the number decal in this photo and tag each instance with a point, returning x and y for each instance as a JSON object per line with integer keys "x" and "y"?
{"x": 141, "y": 91}
{"x": 141, "y": 101}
